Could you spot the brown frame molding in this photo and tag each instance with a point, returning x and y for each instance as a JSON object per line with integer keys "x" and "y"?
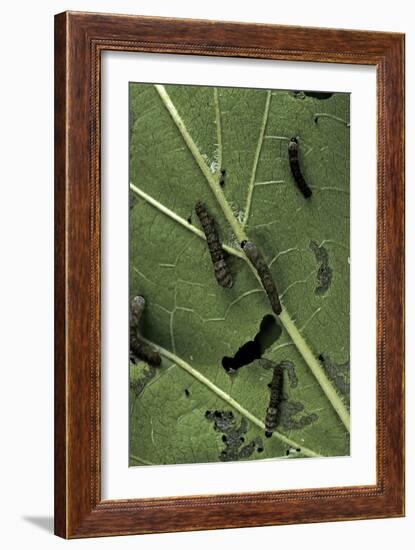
{"x": 79, "y": 40}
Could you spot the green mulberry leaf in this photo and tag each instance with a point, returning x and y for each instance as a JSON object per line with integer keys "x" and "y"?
{"x": 180, "y": 139}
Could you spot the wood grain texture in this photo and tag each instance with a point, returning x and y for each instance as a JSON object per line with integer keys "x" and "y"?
{"x": 60, "y": 278}
{"x": 79, "y": 40}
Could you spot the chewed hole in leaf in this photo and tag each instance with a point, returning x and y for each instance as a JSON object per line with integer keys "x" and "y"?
{"x": 269, "y": 332}
{"x": 315, "y": 95}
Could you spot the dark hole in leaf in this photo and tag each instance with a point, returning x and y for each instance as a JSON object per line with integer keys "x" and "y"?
{"x": 187, "y": 393}
{"x": 315, "y": 95}
{"x": 319, "y": 95}
{"x": 269, "y": 332}
{"x": 247, "y": 353}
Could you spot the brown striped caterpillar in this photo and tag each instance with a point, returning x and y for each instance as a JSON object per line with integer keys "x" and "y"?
{"x": 221, "y": 269}
{"x": 256, "y": 259}
{"x": 295, "y": 168}
{"x": 138, "y": 347}
{"x": 272, "y": 416}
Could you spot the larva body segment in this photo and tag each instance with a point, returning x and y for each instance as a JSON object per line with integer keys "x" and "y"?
{"x": 138, "y": 347}
{"x": 138, "y": 304}
{"x": 145, "y": 352}
{"x": 295, "y": 168}
{"x": 221, "y": 269}
{"x": 272, "y": 416}
{"x": 257, "y": 260}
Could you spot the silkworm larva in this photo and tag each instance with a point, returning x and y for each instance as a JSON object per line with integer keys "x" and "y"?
{"x": 221, "y": 269}
{"x": 272, "y": 416}
{"x": 257, "y": 260}
{"x": 138, "y": 347}
{"x": 296, "y": 170}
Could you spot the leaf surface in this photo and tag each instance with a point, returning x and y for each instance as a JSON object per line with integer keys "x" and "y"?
{"x": 305, "y": 242}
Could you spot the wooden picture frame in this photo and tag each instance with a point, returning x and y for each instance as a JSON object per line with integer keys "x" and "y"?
{"x": 79, "y": 40}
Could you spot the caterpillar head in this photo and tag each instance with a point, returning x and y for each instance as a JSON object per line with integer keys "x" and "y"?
{"x": 293, "y": 144}
{"x": 138, "y": 303}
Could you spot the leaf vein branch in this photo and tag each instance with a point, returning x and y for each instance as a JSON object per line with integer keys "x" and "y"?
{"x": 169, "y": 213}
{"x": 251, "y": 184}
{"x": 140, "y": 460}
{"x": 227, "y": 398}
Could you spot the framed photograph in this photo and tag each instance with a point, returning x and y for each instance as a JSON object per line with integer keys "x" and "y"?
{"x": 229, "y": 288}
